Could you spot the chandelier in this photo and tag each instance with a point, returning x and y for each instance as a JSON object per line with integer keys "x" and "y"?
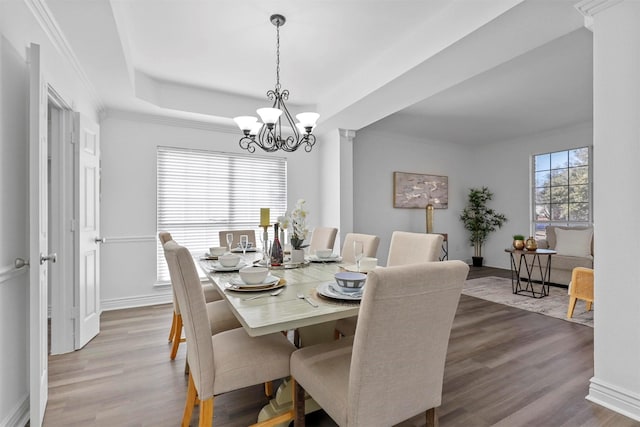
{"x": 268, "y": 135}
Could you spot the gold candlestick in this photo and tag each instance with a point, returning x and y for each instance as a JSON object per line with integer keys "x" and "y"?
{"x": 429, "y": 210}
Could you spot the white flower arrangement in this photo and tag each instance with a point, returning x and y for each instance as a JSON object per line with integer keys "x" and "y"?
{"x": 296, "y": 223}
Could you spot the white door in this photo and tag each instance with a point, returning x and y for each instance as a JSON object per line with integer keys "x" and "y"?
{"x": 88, "y": 233}
{"x": 38, "y": 221}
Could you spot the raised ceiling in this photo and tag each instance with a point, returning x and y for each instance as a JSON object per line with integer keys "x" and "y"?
{"x": 460, "y": 71}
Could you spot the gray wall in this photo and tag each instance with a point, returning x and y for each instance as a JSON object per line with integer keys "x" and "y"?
{"x": 503, "y": 167}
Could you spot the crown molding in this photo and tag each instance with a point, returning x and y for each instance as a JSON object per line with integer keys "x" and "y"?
{"x": 590, "y": 8}
{"x": 47, "y": 22}
{"x": 171, "y": 121}
{"x": 347, "y": 133}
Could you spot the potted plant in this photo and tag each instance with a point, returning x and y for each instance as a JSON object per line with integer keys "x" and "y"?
{"x": 518, "y": 241}
{"x": 480, "y": 220}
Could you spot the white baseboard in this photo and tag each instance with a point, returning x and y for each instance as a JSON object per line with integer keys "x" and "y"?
{"x": 19, "y": 415}
{"x": 611, "y": 397}
{"x": 138, "y": 301}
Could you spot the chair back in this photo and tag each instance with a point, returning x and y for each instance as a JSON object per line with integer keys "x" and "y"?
{"x": 414, "y": 248}
{"x": 401, "y": 341}
{"x": 236, "y": 237}
{"x": 165, "y": 237}
{"x": 188, "y": 289}
{"x": 322, "y": 238}
{"x": 370, "y": 243}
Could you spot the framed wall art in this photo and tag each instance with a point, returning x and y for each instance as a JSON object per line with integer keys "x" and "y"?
{"x": 417, "y": 190}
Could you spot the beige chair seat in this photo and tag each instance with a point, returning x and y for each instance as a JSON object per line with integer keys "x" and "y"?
{"x": 241, "y": 360}
{"x": 329, "y": 362}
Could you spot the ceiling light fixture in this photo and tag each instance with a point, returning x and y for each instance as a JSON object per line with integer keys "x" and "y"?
{"x": 269, "y": 137}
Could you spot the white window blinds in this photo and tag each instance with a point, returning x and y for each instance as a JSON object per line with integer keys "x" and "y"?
{"x": 200, "y": 193}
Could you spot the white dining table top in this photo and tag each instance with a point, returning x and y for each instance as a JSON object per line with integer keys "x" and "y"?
{"x": 286, "y": 311}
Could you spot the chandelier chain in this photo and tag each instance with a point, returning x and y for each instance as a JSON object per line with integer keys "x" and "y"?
{"x": 278, "y": 56}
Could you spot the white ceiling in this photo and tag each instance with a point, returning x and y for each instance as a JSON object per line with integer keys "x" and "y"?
{"x": 464, "y": 71}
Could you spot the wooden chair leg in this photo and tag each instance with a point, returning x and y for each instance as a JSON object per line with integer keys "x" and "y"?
{"x": 589, "y": 305}
{"x": 172, "y": 331}
{"x": 336, "y": 334}
{"x": 268, "y": 389}
{"x": 192, "y": 395}
{"x": 206, "y": 413}
{"x": 177, "y": 337}
{"x": 296, "y": 338}
{"x": 572, "y": 306}
{"x": 298, "y": 403}
{"x": 432, "y": 417}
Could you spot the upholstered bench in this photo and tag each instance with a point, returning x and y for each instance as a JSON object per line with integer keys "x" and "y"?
{"x": 574, "y": 247}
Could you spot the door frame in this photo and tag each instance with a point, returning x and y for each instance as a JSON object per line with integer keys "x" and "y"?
{"x": 61, "y": 276}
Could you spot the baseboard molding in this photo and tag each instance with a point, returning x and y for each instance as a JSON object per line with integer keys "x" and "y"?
{"x": 19, "y": 415}
{"x": 138, "y": 301}
{"x": 611, "y": 397}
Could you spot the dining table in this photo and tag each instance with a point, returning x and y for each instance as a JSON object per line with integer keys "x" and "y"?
{"x": 298, "y": 307}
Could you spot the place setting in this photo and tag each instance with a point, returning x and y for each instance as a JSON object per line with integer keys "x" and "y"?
{"x": 324, "y": 255}
{"x": 347, "y": 286}
{"x": 254, "y": 279}
{"x": 225, "y": 263}
{"x": 363, "y": 265}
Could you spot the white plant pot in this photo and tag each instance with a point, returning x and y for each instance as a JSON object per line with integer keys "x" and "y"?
{"x": 297, "y": 255}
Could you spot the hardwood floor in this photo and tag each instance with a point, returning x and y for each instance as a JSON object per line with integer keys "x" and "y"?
{"x": 505, "y": 367}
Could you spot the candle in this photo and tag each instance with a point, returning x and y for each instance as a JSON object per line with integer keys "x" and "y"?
{"x": 264, "y": 217}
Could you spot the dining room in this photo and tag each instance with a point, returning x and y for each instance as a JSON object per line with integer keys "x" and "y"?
{"x": 370, "y": 129}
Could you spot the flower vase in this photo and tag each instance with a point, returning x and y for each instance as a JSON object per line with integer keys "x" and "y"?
{"x": 297, "y": 256}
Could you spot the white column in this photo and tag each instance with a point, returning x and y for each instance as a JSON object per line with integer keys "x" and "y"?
{"x": 616, "y": 123}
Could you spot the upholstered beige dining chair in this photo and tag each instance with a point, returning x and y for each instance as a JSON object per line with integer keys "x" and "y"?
{"x": 392, "y": 369}
{"x": 369, "y": 242}
{"x": 405, "y": 248}
{"x": 322, "y": 238}
{"x": 236, "y": 237}
{"x": 226, "y": 361}
{"x": 412, "y": 248}
{"x": 220, "y": 316}
{"x": 580, "y": 287}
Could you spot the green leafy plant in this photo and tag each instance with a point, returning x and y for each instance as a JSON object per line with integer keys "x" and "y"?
{"x": 518, "y": 237}
{"x": 479, "y": 219}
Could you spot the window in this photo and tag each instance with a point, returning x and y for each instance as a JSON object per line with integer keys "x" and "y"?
{"x": 561, "y": 189}
{"x": 200, "y": 193}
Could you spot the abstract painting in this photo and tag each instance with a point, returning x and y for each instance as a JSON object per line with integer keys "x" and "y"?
{"x": 417, "y": 190}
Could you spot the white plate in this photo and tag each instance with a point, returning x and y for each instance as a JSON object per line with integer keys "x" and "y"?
{"x": 254, "y": 288}
{"x": 332, "y": 258}
{"x": 270, "y": 280}
{"x": 327, "y": 289}
{"x": 354, "y": 268}
{"x": 216, "y": 266}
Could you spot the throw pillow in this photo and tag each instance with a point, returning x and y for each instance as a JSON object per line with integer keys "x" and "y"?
{"x": 573, "y": 242}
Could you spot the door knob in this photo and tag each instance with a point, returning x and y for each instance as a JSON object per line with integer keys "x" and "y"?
{"x": 100, "y": 240}
{"x": 20, "y": 262}
{"x": 51, "y": 257}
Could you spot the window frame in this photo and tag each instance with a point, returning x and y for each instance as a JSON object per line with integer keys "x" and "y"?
{"x": 537, "y": 227}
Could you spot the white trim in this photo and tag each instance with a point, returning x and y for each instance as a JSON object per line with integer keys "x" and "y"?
{"x": 47, "y": 22}
{"x": 10, "y": 272}
{"x": 181, "y": 122}
{"x": 130, "y": 239}
{"x": 612, "y": 397}
{"x": 19, "y": 414}
{"x": 138, "y": 301}
{"x": 590, "y": 8}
